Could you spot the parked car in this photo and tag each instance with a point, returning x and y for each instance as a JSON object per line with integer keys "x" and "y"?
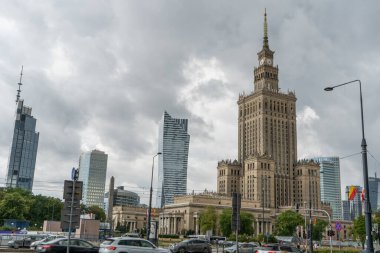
{"x": 190, "y": 246}
{"x": 47, "y": 239}
{"x": 25, "y": 241}
{"x": 279, "y": 247}
{"x": 243, "y": 248}
{"x": 130, "y": 245}
{"x": 228, "y": 244}
{"x": 60, "y": 246}
{"x": 134, "y": 235}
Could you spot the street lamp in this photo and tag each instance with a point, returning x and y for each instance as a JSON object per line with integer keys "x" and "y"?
{"x": 310, "y": 219}
{"x": 367, "y": 203}
{"x": 264, "y": 183}
{"x": 150, "y": 198}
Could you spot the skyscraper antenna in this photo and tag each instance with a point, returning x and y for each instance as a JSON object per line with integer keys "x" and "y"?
{"x": 19, "y": 85}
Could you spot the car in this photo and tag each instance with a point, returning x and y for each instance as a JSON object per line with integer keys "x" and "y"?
{"x": 25, "y": 241}
{"x": 190, "y": 246}
{"x": 134, "y": 235}
{"x": 243, "y": 248}
{"x": 279, "y": 247}
{"x": 227, "y": 244}
{"x": 49, "y": 238}
{"x": 60, "y": 246}
{"x": 130, "y": 245}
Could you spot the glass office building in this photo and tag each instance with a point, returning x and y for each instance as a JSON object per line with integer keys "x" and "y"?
{"x": 330, "y": 184}
{"x": 374, "y": 190}
{"x": 346, "y": 210}
{"x": 22, "y": 159}
{"x": 92, "y": 171}
{"x": 172, "y": 164}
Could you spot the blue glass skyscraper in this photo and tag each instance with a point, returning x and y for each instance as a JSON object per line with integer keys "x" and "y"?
{"x": 330, "y": 184}
{"x": 22, "y": 160}
{"x": 172, "y": 164}
{"x": 93, "y": 171}
{"x": 374, "y": 190}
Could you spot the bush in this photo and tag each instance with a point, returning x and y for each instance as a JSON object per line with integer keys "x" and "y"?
{"x": 169, "y": 236}
{"x": 242, "y": 238}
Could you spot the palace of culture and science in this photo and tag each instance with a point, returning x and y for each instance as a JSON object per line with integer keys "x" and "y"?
{"x": 267, "y": 170}
{"x": 266, "y": 173}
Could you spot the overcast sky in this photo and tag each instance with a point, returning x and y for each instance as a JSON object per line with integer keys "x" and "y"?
{"x": 99, "y": 74}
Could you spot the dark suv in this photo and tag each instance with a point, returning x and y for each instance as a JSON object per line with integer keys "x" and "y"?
{"x": 190, "y": 246}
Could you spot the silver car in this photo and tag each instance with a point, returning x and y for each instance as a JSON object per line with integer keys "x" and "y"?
{"x": 47, "y": 239}
{"x": 130, "y": 245}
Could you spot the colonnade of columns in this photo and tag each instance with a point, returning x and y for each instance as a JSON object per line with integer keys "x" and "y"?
{"x": 131, "y": 226}
{"x": 263, "y": 228}
{"x": 170, "y": 225}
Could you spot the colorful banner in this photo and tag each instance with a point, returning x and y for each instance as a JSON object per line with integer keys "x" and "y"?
{"x": 352, "y": 193}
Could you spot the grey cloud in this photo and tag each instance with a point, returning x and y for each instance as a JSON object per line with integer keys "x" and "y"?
{"x": 124, "y": 67}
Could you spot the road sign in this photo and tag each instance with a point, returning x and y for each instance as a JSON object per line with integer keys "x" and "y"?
{"x": 338, "y": 226}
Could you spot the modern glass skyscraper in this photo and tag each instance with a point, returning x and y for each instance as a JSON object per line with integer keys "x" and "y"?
{"x": 22, "y": 160}
{"x": 346, "y": 210}
{"x": 92, "y": 171}
{"x": 172, "y": 164}
{"x": 374, "y": 190}
{"x": 330, "y": 184}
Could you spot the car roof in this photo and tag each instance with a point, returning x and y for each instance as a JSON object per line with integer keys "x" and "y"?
{"x": 124, "y": 238}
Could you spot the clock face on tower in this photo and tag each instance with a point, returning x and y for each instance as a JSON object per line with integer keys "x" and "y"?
{"x": 261, "y": 61}
{"x": 269, "y": 61}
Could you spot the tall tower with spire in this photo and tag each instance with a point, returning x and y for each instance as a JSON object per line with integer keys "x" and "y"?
{"x": 267, "y": 135}
{"x": 266, "y": 75}
{"x": 22, "y": 159}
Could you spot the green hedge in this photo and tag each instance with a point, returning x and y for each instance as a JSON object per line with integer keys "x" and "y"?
{"x": 337, "y": 250}
{"x": 169, "y": 236}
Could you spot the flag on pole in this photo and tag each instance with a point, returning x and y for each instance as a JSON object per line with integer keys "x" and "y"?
{"x": 363, "y": 195}
{"x": 352, "y": 193}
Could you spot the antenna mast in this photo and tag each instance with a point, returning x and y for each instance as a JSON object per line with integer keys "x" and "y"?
{"x": 19, "y": 85}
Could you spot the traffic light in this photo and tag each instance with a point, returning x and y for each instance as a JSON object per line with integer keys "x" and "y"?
{"x": 330, "y": 232}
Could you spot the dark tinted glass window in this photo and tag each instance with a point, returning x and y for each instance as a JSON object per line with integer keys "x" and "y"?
{"x": 129, "y": 242}
{"x": 84, "y": 244}
{"x": 146, "y": 244}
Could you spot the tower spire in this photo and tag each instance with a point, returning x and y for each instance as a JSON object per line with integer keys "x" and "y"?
{"x": 19, "y": 85}
{"x": 266, "y": 44}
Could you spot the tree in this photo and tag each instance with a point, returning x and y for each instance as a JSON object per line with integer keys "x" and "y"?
{"x": 318, "y": 229}
{"x": 99, "y": 212}
{"x": 359, "y": 229}
{"x": 225, "y": 222}
{"x": 287, "y": 222}
{"x": 14, "y": 206}
{"x": 17, "y": 203}
{"x": 208, "y": 219}
{"x": 44, "y": 208}
{"x": 246, "y": 223}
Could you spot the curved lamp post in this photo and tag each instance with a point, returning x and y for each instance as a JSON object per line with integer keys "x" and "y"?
{"x": 150, "y": 198}
{"x": 367, "y": 203}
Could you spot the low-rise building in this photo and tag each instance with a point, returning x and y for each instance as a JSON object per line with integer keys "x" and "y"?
{"x": 134, "y": 218}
